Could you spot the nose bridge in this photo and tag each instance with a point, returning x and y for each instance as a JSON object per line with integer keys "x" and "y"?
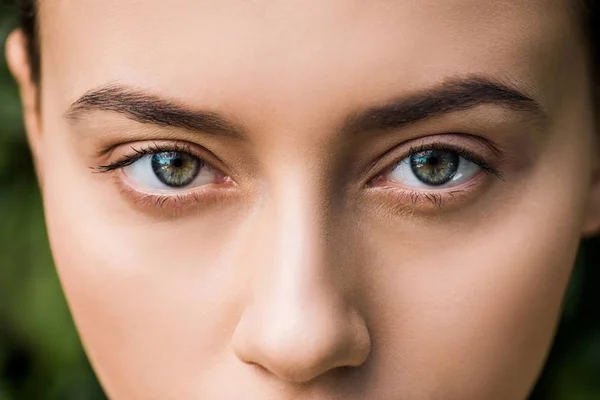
{"x": 300, "y": 322}
{"x": 305, "y": 261}
{"x": 302, "y": 226}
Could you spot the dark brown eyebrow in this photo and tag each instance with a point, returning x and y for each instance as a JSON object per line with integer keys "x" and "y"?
{"x": 149, "y": 108}
{"x": 450, "y": 96}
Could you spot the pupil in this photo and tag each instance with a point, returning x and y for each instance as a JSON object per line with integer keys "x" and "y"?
{"x": 175, "y": 169}
{"x": 433, "y": 161}
{"x": 434, "y": 167}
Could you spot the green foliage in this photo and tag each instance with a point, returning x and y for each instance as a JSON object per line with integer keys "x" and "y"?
{"x": 41, "y": 356}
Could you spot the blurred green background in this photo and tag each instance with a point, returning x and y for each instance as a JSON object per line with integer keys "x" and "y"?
{"x": 41, "y": 356}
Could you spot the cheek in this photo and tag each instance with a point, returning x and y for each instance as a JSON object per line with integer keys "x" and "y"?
{"x": 470, "y": 316}
{"x": 149, "y": 307}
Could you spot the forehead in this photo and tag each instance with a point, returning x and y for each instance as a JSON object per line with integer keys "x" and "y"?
{"x": 270, "y": 51}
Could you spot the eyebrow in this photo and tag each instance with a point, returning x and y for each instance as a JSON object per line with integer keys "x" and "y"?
{"x": 452, "y": 95}
{"x": 149, "y": 108}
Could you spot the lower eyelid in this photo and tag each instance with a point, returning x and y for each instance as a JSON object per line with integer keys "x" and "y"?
{"x": 474, "y": 181}
{"x": 221, "y": 181}
{"x": 409, "y": 201}
{"x": 176, "y": 202}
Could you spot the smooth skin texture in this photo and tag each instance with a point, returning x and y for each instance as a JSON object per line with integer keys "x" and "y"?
{"x": 306, "y": 270}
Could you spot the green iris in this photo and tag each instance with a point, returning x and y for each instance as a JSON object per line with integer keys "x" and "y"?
{"x": 175, "y": 169}
{"x": 434, "y": 167}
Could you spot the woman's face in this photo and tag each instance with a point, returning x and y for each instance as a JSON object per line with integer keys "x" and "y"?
{"x": 314, "y": 200}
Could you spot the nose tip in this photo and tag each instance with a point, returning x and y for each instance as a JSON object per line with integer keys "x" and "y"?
{"x": 301, "y": 347}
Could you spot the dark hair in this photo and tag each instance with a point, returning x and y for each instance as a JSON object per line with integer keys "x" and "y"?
{"x": 28, "y": 21}
{"x": 591, "y": 13}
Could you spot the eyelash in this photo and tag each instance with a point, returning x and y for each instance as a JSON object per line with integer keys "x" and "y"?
{"x": 460, "y": 151}
{"x": 146, "y": 150}
{"x": 402, "y": 196}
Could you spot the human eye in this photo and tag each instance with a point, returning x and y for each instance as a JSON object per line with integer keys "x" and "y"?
{"x": 433, "y": 169}
{"x": 166, "y": 173}
{"x": 169, "y": 170}
{"x": 436, "y": 174}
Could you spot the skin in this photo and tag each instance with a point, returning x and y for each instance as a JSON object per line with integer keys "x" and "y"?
{"x": 308, "y": 273}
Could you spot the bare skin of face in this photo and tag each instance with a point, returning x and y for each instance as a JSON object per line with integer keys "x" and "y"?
{"x": 326, "y": 199}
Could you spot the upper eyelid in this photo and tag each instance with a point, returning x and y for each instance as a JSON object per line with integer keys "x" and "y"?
{"x": 388, "y": 160}
{"x": 466, "y": 154}
{"x": 153, "y": 148}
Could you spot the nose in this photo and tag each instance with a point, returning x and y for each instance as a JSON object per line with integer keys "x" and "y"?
{"x": 300, "y": 321}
